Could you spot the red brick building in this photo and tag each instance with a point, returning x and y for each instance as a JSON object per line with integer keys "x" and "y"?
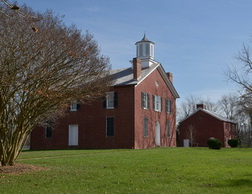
{"x": 138, "y": 112}
{"x": 203, "y": 124}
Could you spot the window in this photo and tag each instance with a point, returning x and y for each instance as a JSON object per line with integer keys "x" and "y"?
{"x": 168, "y": 106}
{"x": 145, "y": 100}
{"x": 48, "y": 129}
{"x": 74, "y": 106}
{"x": 152, "y": 51}
{"x": 110, "y": 126}
{"x": 141, "y": 50}
{"x": 147, "y": 51}
{"x": 157, "y": 103}
{"x": 146, "y": 120}
{"x": 168, "y": 128}
{"x": 111, "y": 100}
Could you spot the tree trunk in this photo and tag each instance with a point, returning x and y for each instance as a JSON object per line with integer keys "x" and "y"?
{"x": 9, "y": 150}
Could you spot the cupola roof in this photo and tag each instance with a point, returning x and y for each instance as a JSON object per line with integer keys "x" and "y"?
{"x": 145, "y": 39}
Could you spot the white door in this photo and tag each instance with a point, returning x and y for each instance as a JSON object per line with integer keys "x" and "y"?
{"x": 186, "y": 142}
{"x": 157, "y": 139}
{"x": 73, "y": 135}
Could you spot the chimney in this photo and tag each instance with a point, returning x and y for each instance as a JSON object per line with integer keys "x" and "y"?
{"x": 137, "y": 67}
{"x": 170, "y": 77}
{"x": 200, "y": 106}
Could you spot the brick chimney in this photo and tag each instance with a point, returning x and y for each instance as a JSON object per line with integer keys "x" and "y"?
{"x": 200, "y": 106}
{"x": 137, "y": 67}
{"x": 170, "y": 77}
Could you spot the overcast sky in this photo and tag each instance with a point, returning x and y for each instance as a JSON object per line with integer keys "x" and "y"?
{"x": 194, "y": 39}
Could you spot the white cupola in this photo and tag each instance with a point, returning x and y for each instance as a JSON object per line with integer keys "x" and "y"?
{"x": 145, "y": 51}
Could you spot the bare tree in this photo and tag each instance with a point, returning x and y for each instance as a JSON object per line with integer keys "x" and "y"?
{"x": 41, "y": 71}
{"x": 191, "y": 135}
{"x": 242, "y": 74}
{"x": 230, "y": 106}
{"x": 190, "y": 105}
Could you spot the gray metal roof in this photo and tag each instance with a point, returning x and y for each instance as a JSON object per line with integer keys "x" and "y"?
{"x": 124, "y": 76}
{"x": 144, "y": 39}
{"x": 217, "y": 116}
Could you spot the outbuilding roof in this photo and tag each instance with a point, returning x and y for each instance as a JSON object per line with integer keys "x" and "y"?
{"x": 221, "y": 118}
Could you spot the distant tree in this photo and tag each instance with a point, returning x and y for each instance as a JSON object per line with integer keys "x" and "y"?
{"x": 189, "y": 105}
{"x": 44, "y": 65}
{"x": 229, "y": 105}
{"x": 241, "y": 74}
{"x": 190, "y": 134}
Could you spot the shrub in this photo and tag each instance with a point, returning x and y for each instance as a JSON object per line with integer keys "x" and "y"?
{"x": 214, "y": 143}
{"x": 234, "y": 143}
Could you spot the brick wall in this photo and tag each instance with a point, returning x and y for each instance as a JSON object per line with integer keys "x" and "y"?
{"x": 154, "y": 85}
{"x": 91, "y": 120}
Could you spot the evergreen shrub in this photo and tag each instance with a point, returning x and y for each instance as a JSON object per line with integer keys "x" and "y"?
{"x": 214, "y": 143}
{"x": 234, "y": 143}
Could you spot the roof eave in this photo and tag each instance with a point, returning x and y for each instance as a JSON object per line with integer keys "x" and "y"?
{"x": 168, "y": 82}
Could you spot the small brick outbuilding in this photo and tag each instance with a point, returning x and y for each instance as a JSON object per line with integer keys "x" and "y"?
{"x": 138, "y": 112}
{"x": 203, "y": 124}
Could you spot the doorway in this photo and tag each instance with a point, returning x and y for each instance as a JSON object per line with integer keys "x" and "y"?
{"x": 73, "y": 135}
{"x": 157, "y": 139}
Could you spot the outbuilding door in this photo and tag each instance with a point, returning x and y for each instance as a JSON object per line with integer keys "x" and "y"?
{"x": 186, "y": 142}
{"x": 157, "y": 139}
{"x": 73, "y": 135}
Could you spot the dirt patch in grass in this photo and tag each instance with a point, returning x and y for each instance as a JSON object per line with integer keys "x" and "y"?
{"x": 19, "y": 169}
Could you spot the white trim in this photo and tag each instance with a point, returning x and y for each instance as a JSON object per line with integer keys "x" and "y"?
{"x": 73, "y": 137}
{"x": 163, "y": 75}
{"x": 110, "y": 100}
{"x": 74, "y": 106}
{"x": 148, "y": 74}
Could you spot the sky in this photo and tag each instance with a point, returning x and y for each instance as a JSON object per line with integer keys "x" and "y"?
{"x": 196, "y": 40}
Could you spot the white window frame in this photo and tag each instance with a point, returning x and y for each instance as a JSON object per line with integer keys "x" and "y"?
{"x": 157, "y": 103}
{"x": 168, "y": 106}
{"x": 74, "y": 106}
{"x": 145, "y": 100}
{"x": 110, "y": 104}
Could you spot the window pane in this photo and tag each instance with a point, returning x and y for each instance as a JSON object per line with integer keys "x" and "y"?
{"x": 147, "y": 53}
{"x": 74, "y": 106}
{"x": 145, "y": 127}
{"x": 157, "y": 103}
{"x": 168, "y": 128}
{"x": 48, "y": 131}
{"x": 141, "y": 50}
{"x": 110, "y": 126}
{"x": 110, "y": 100}
{"x": 145, "y": 100}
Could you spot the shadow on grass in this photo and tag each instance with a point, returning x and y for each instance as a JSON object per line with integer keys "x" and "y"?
{"x": 243, "y": 182}
{"x": 240, "y": 183}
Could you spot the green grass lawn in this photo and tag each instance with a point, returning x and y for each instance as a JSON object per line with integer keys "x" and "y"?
{"x": 160, "y": 170}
